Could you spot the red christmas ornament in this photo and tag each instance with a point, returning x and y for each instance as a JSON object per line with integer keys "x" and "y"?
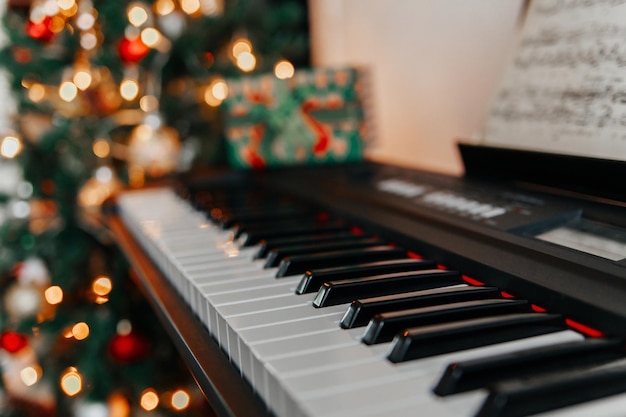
{"x": 128, "y": 347}
{"x": 40, "y": 30}
{"x": 132, "y": 50}
{"x": 12, "y": 342}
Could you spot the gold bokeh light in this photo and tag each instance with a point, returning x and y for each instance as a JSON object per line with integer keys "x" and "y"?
{"x": 102, "y": 286}
{"x": 71, "y": 382}
{"x": 284, "y": 70}
{"x": 68, "y": 91}
{"x": 101, "y": 148}
{"x": 30, "y": 375}
{"x": 164, "y": 7}
{"x": 180, "y": 400}
{"x": 151, "y": 37}
{"x": 10, "y": 146}
{"x": 240, "y": 46}
{"x": 246, "y": 61}
{"x": 54, "y": 295}
{"x": 149, "y": 400}
{"x": 80, "y": 331}
{"x": 129, "y": 89}
{"x": 137, "y": 15}
{"x": 190, "y": 6}
{"x": 82, "y": 79}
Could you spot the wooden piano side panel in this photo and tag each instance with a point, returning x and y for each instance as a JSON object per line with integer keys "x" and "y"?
{"x": 221, "y": 383}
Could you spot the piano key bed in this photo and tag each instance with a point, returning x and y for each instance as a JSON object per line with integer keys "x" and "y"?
{"x": 322, "y": 317}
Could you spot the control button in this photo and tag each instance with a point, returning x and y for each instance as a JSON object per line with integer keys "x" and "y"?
{"x": 493, "y": 213}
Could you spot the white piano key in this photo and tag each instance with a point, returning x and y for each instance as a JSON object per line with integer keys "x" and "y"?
{"x": 613, "y": 406}
{"x": 419, "y": 375}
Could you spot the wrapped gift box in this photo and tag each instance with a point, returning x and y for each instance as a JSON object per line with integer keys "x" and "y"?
{"x": 318, "y": 116}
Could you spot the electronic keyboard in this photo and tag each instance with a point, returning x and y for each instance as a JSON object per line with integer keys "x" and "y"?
{"x": 374, "y": 290}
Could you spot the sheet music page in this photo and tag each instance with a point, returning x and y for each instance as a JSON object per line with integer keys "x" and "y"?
{"x": 565, "y": 91}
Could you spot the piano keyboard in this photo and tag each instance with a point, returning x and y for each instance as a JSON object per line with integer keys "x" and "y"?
{"x": 324, "y": 318}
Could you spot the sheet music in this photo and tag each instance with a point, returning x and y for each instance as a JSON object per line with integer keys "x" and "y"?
{"x": 565, "y": 91}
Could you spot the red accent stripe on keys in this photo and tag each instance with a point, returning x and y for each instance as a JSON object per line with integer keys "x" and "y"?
{"x": 472, "y": 281}
{"x": 584, "y": 329}
{"x": 538, "y": 309}
{"x": 356, "y": 230}
{"x": 506, "y": 294}
{"x": 414, "y": 255}
{"x": 322, "y": 216}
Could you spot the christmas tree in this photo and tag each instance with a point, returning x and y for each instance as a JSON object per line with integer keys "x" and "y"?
{"x": 109, "y": 94}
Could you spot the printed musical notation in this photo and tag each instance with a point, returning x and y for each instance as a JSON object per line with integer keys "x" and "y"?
{"x": 565, "y": 90}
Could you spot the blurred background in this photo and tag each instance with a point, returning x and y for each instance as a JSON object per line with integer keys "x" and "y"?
{"x": 100, "y": 96}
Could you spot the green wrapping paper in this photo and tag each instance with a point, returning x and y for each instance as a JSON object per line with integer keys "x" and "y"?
{"x": 318, "y": 116}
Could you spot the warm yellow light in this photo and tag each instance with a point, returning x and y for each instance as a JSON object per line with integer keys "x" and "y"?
{"x": 68, "y": 91}
{"x": 144, "y": 133}
{"x": 137, "y": 15}
{"x": 57, "y": 24}
{"x": 71, "y": 11}
{"x": 180, "y": 400}
{"x": 151, "y": 37}
{"x": 85, "y": 21}
{"x": 148, "y": 103}
{"x": 212, "y": 7}
{"x": 240, "y": 46}
{"x": 82, "y": 79}
{"x": 80, "y": 331}
{"x": 10, "y": 147}
{"x": 149, "y": 400}
{"x": 129, "y": 89}
{"x": 190, "y": 6}
{"x": 216, "y": 92}
{"x": 101, "y": 148}
{"x": 102, "y": 285}
{"x": 164, "y": 7}
{"x": 67, "y": 333}
{"x": 246, "y": 61}
{"x": 118, "y": 406}
{"x": 88, "y": 41}
{"x": 66, "y": 4}
{"x": 101, "y": 300}
{"x": 29, "y": 376}
{"x": 71, "y": 382}
{"x": 36, "y": 92}
{"x": 284, "y": 70}
{"x": 219, "y": 89}
{"x": 54, "y": 295}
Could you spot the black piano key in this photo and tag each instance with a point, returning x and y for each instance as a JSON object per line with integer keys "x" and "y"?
{"x": 437, "y": 339}
{"x": 253, "y": 237}
{"x": 473, "y": 374}
{"x": 383, "y": 327}
{"x": 357, "y": 242}
{"x": 344, "y": 291}
{"x": 525, "y": 397}
{"x": 256, "y": 217}
{"x": 278, "y": 224}
{"x": 313, "y": 280}
{"x": 226, "y": 211}
{"x": 361, "y": 311}
{"x": 299, "y": 264}
{"x": 265, "y": 246}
